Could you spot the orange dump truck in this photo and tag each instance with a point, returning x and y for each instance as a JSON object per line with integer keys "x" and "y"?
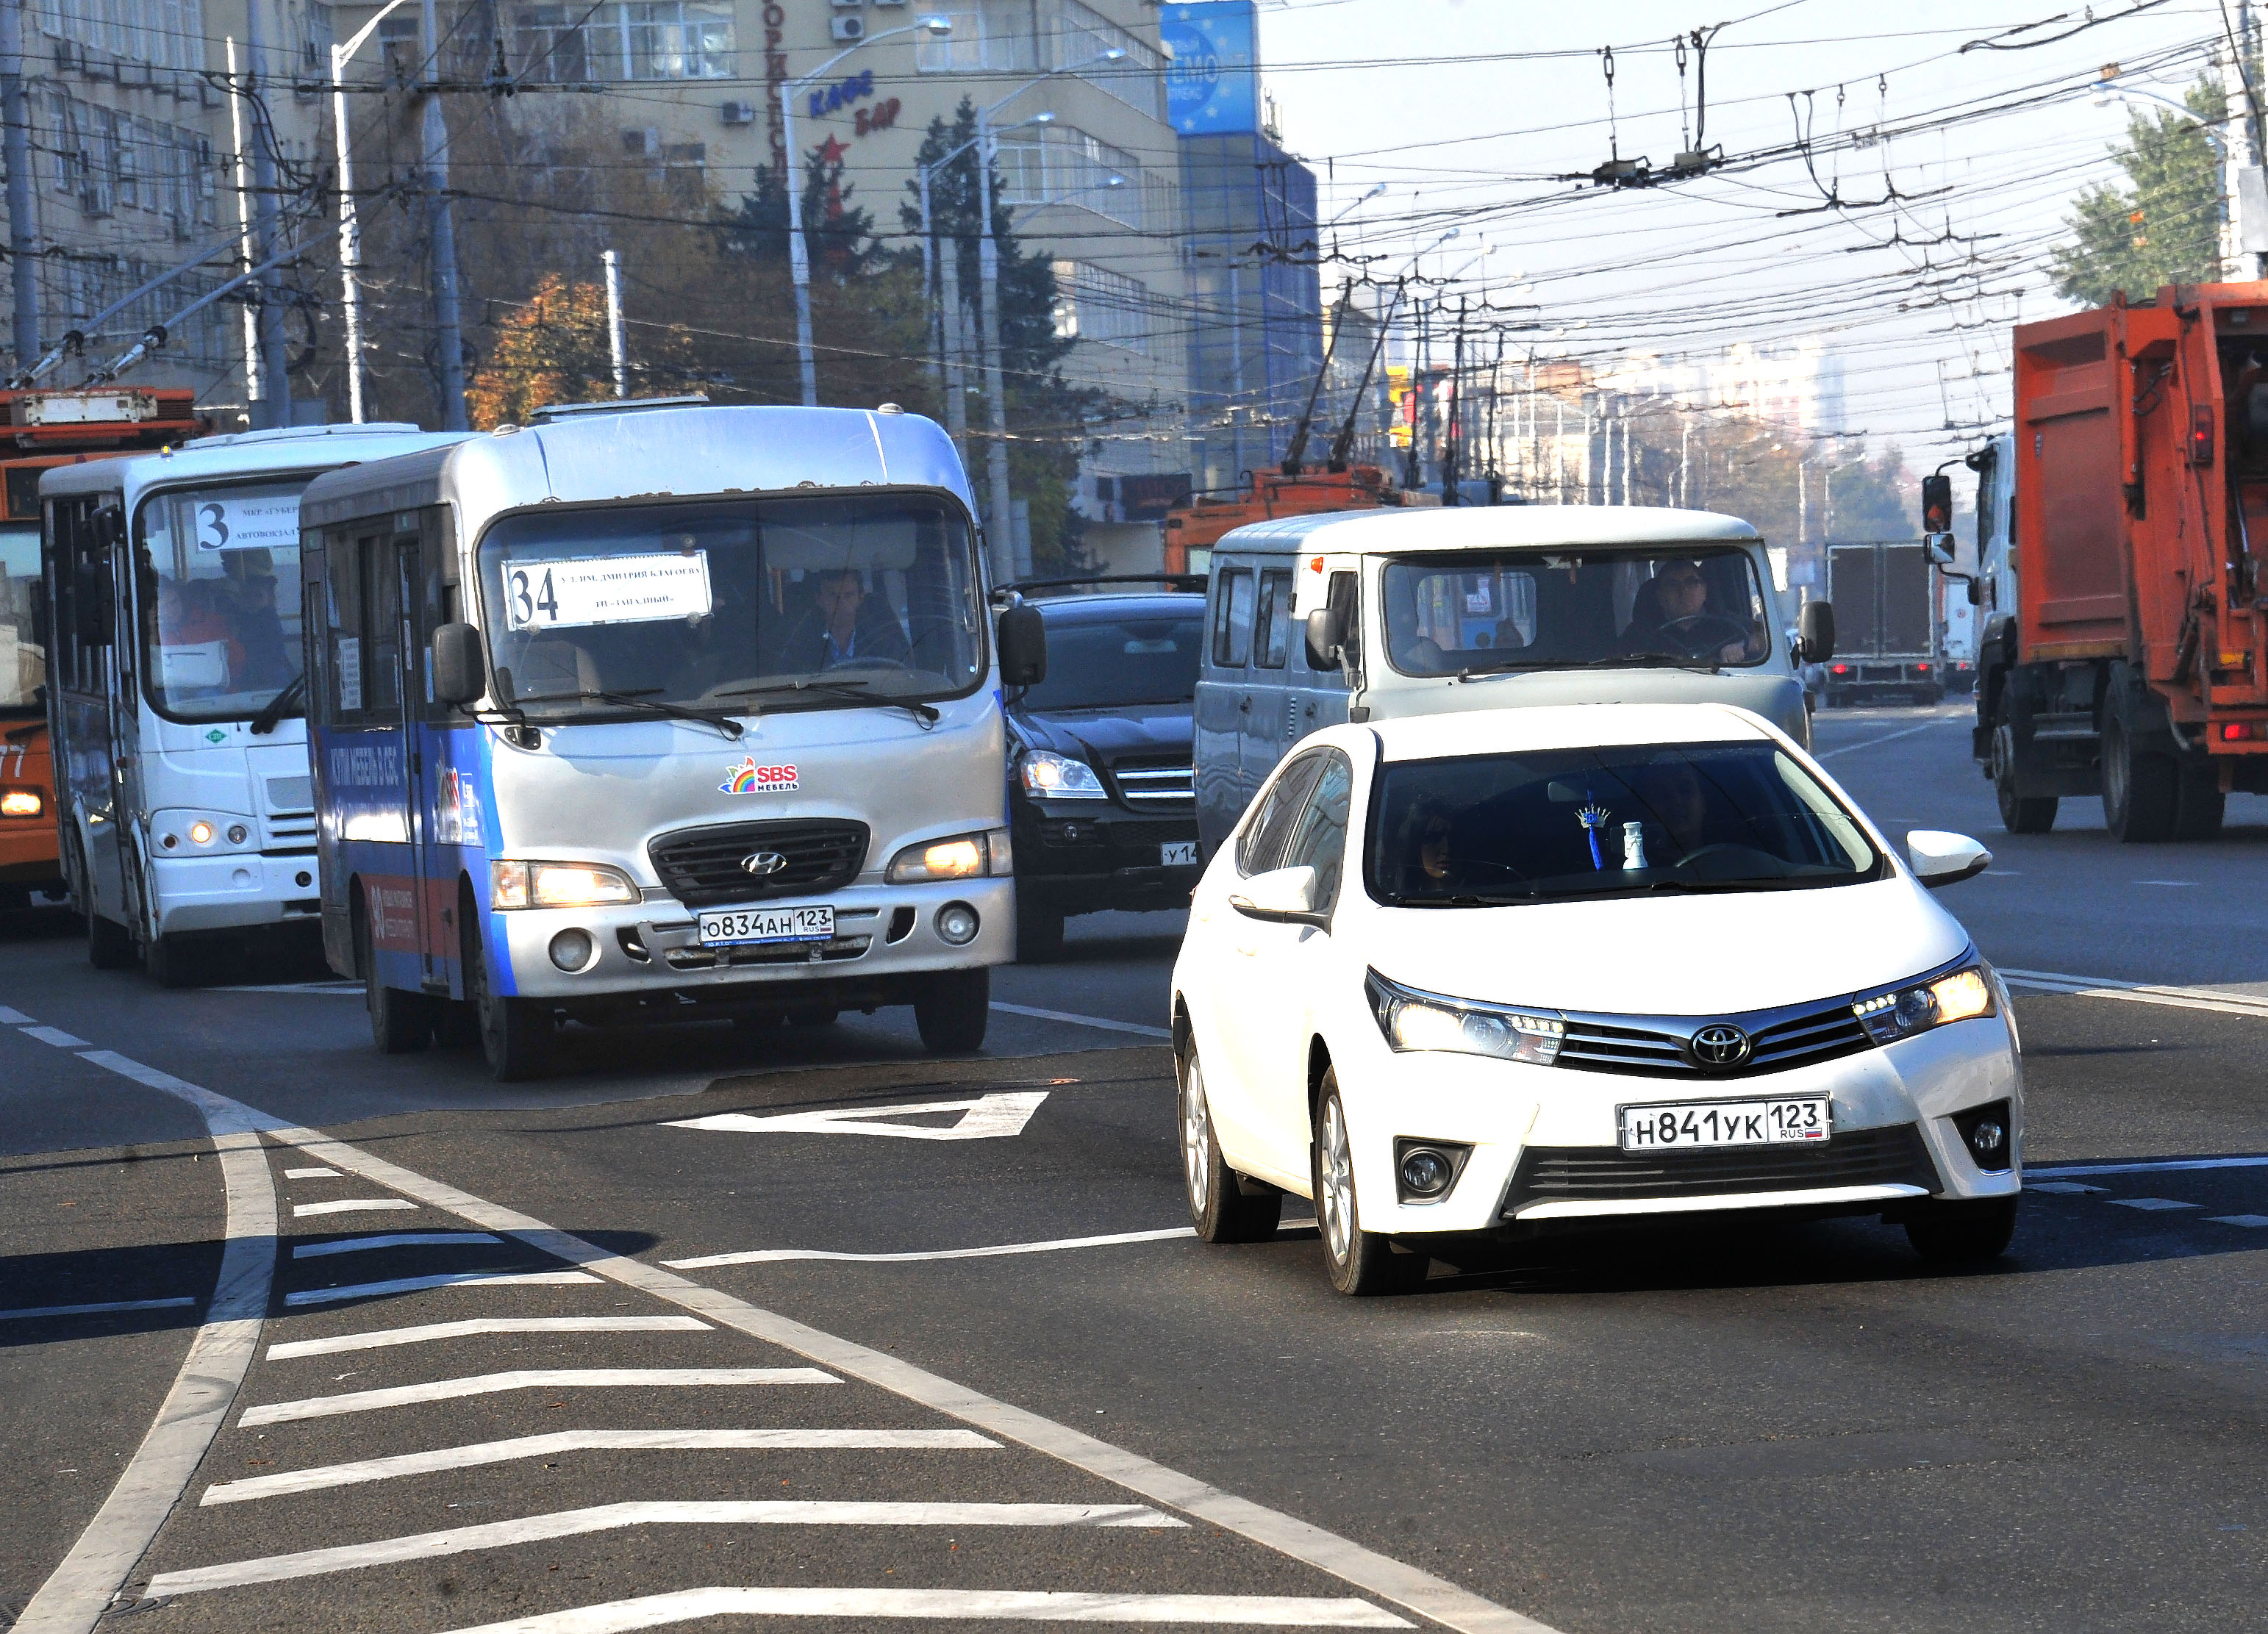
{"x": 1198, "y": 526}
{"x": 39, "y": 430}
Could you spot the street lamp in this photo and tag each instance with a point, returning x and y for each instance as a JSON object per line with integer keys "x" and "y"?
{"x": 799, "y": 252}
{"x": 350, "y": 220}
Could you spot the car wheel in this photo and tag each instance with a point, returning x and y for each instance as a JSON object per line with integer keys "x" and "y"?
{"x": 400, "y": 1022}
{"x": 1218, "y": 1206}
{"x": 1039, "y": 929}
{"x": 1963, "y": 1232}
{"x": 952, "y": 1010}
{"x": 1359, "y": 1262}
{"x": 516, "y": 1034}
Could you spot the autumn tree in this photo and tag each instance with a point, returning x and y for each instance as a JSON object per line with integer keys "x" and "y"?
{"x": 555, "y": 350}
{"x": 2162, "y": 227}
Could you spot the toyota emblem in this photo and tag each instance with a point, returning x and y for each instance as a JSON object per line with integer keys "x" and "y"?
{"x": 763, "y": 863}
{"x": 1721, "y": 1048}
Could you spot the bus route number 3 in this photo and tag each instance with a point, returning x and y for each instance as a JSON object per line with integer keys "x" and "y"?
{"x": 529, "y": 598}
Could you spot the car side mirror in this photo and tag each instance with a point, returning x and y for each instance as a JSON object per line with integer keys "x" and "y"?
{"x": 1940, "y": 859}
{"x": 1326, "y": 638}
{"x": 1815, "y": 628}
{"x": 1023, "y": 647}
{"x": 459, "y": 675}
{"x": 1281, "y": 897}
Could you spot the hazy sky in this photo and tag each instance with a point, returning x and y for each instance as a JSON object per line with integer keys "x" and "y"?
{"x": 1466, "y": 109}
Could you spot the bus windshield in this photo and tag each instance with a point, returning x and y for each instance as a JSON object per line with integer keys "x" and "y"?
{"x": 221, "y": 627}
{"x": 735, "y": 604}
{"x": 23, "y": 660}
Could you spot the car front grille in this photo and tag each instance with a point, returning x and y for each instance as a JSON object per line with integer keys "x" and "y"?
{"x": 1889, "y": 1155}
{"x": 702, "y": 867}
{"x": 1655, "y": 1047}
{"x": 1156, "y": 786}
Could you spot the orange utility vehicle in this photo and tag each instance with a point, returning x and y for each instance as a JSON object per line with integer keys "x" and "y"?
{"x": 1199, "y": 523}
{"x": 38, "y": 430}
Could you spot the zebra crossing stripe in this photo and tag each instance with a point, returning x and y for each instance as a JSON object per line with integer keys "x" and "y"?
{"x": 653, "y": 1611}
{"x": 426, "y": 1333}
{"x": 526, "y": 1379}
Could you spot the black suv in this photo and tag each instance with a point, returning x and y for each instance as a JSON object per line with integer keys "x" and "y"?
{"x": 1099, "y": 797}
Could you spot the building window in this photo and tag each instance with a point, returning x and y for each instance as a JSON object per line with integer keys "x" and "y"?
{"x": 1095, "y": 303}
{"x": 164, "y": 34}
{"x": 998, "y": 36}
{"x": 1083, "y": 33}
{"x": 1056, "y": 165}
{"x": 572, "y": 44}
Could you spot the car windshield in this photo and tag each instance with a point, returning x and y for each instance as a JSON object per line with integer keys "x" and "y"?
{"x": 1545, "y": 826}
{"x": 733, "y": 603}
{"x": 1095, "y": 664}
{"x": 221, "y": 627}
{"x": 23, "y": 660}
{"x": 1529, "y": 609}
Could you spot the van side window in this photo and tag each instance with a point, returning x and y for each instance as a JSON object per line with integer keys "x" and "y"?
{"x": 1263, "y": 840}
{"x": 1275, "y": 618}
{"x": 1231, "y": 618}
{"x": 1342, "y": 596}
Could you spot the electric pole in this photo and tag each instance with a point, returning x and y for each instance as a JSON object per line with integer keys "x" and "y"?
{"x": 447, "y": 338}
{"x": 23, "y": 249}
{"x": 273, "y": 406}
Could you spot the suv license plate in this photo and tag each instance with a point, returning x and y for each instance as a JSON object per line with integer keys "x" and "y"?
{"x": 1179, "y": 854}
{"x": 1724, "y": 1123}
{"x": 722, "y": 927}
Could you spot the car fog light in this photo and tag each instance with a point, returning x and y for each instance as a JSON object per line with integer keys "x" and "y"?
{"x": 1988, "y": 1131}
{"x": 1988, "y": 1139}
{"x": 238, "y": 833}
{"x": 303, "y": 878}
{"x": 201, "y": 833}
{"x": 1427, "y": 1171}
{"x": 957, "y": 923}
{"x": 170, "y": 841}
{"x": 571, "y": 950}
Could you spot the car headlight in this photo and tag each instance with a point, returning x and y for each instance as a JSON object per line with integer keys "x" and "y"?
{"x": 558, "y": 885}
{"x": 1956, "y": 995}
{"x": 963, "y": 857}
{"x": 21, "y": 803}
{"x": 1049, "y": 776}
{"x": 1414, "y": 1020}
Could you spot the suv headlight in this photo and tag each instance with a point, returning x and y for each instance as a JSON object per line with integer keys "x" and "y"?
{"x": 1415, "y": 1020}
{"x": 1956, "y": 995}
{"x": 558, "y": 885}
{"x": 963, "y": 857}
{"x": 1049, "y": 776}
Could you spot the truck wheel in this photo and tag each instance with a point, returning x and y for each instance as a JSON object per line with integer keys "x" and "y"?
{"x": 1039, "y": 929}
{"x": 2018, "y": 814}
{"x": 953, "y": 1008}
{"x": 399, "y": 1023}
{"x": 516, "y": 1034}
{"x": 2139, "y": 789}
{"x": 2198, "y": 804}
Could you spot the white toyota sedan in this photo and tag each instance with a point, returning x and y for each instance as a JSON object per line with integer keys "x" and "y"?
{"x": 1457, "y": 976}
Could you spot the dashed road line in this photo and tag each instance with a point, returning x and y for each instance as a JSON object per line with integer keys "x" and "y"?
{"x": 653, "y": 1611}
{"x": 2149, "y": 1204}
{"x": 761, "y": 1256}
{"x": 426, "y": 1333}
{"x": 394, "y": 1240}
{"x": 439, "y": 1279}
{"x": 2139, "y": 992}
{"x": 2149, "y": 1166}
{"x": 1101, "y": 1022}
{"x": 1853, "y": 749}
{"x": 2064, "y": 1188}
{"x": 102, "y": 1309}
{"x": 312, "y": 1175}
{"x": 14, "y": 1017}
{"x": 614, "y": 1517}
{"x": 527, "y": 1378}
{"x": 348, "y": 1205}
{"x": 480, "y": 1453}
{"x": 56, "y": 1036}
{"x": 2251, "y": 1222}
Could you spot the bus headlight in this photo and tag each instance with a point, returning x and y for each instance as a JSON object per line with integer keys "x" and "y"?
{"x": 963, "y": 857}
{"x": 558, "y": 885}
{"x": 21, "y": 803}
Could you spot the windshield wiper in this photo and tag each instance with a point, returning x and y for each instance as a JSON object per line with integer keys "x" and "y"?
{"x": 1463, "y": 899}
{"x": 294, "y": 693}
{"x": 1478, "y": 671}
{"x": 642, "y": 699}
{"x": 1647, "y": 660}
{"x": 847, "y": 690}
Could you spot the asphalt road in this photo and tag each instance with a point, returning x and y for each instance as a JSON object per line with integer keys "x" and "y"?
{"x": 712, "y": 1349}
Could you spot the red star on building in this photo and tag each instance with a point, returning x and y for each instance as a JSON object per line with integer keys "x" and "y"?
{"x": 832, "y": 152}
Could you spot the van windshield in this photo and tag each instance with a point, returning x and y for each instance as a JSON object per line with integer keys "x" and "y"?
{"x": 1528, "y": 609}
{"x": 221, "y": 632}
{"x": 733, "y": 603}
{"x": 1483, "y": 830}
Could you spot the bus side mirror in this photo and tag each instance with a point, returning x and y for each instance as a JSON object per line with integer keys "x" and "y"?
{"x": 1023, "y": 647}
{"x": 1814, "y": 632}
{"x": 458, "y": 675}
{"x": 92, "y": 595}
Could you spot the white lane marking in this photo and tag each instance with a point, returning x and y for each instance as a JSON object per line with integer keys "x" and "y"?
{"x": 56, "y": 1036}
{"x": 348, "y": 1205}
{"x": 475, "y": 1454}
{"x": 81, "y": 1589}
{"x": 2069, "y": 1187}
{"x": 95, "y": 1310}
{"x": 14, "y": 1017}
{"x": 2151, "y": 1165}
{"x": 2140, "y": 992}
{"x": 2181, "y": 882}
{"x": 2149, "y": 1204}
{"x": 653, "y": 1611}
{"x": 988, "y": 1117}
{"x": 527, "y": 1379}
{"x": 439, "y": 1279}
{"x": 2251, "y": 1221}
{"x": 612, "y": 1517}
{"x": 1853, "y": 749}
{"x": 761, "y": 1256}
{"x": 395, "y": 1239}
{"x": 1102, "y": 1022}
{"x": 311, "y": 1174}
{"x": 321, "y": 989}
{"x": 426, "y": 1333}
